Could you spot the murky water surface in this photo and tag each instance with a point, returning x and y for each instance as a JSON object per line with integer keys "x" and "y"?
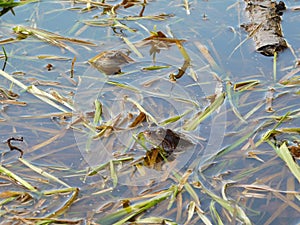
{"x": 104, "y": 157}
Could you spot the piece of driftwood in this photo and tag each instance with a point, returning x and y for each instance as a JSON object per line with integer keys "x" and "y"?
{"x": 265, "y": 25}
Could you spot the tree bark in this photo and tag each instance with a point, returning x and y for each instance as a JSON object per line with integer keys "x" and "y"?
{"x": 265, "y": 25}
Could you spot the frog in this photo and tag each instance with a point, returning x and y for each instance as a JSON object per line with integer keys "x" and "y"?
{"x": 168, "y": 140}
{"x": 110, "y": 62}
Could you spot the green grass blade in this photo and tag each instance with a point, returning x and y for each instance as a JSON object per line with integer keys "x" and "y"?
{"x": 284, "y": 153}
{"x": 194, "y": 122}
{"x": 17, "y": 178}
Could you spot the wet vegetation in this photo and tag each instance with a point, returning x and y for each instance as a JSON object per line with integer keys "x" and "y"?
{"x": 147, "y": 112}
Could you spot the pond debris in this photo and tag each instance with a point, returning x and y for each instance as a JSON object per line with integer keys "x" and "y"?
{"x": 116, "y": 21}
{"x": 52, "y": 38}
{"x": 269, "y": 100}
{"x": 158, "y": 41}
{"x": 138, "y": 120}
{"x": 181, "y": 71}
{"x": 110, "y": 62}
{"x": 49, "y": 67}
{"x": 10, "y": 98}
{"x": 187, "y": 7}
{"x": 5, "y": 58}
{"x": 72, "y": 67}
{"x": 265, "y": 26}
{"x": 7, "y": 94}
{"x": 12, "y": 147}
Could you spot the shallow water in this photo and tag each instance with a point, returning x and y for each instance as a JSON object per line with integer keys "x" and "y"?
{"x": 64, "y": 145}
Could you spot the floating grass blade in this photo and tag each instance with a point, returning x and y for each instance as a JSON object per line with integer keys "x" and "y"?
{"x": 175, "y": 118}
{"x": 136, "y": 209}
{"x": 203, "y": 217}
{"x": 17, "y": 178}
{"x": 194, "y": 122}
{"x": 191, "y": 212}
{"x": 203, "y": 49}
{"x": 215, "y": 213}
{"x": 42, "y": 95}
{"x": 155, "y": 220}
{"x": 284, "y": 153}
{"x": 132, "y": 47}
{"x": 245, "y": 85}
{"x": 235, "y": 144}
{"x": 150, "y": 68}
{"x": 98, "y": 112}
{"x": 51, "y": 38}
{"x": 269, "y": 133}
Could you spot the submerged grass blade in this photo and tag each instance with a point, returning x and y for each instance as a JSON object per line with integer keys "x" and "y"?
{"x": 132, "y": 47}
{"x": 203, "y": 49}
{"x": 42, "y": 172}
{"x": 113, "y": 173}
{"x": 231, "y": 207}
{"x": 67, "y": 204}
{"x": 230, "y": 99}
{"x": 194, "y": 122}
{"x": 275, "y": 66}
{"x": 175, "y": 118}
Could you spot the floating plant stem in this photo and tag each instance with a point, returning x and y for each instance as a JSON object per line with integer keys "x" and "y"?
{"x": 23, "y": 182}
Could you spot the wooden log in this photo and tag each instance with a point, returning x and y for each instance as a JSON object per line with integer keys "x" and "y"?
{"x": 265, "y": 25}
